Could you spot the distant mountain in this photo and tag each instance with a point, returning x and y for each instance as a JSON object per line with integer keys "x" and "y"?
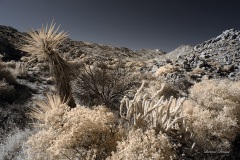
{"x": 77, "y": 48}
{"x": 218, "y": 57}
{"x": 182, "y": 50}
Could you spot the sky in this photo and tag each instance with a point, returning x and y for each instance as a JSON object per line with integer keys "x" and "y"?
{"x": 135, "y": 24}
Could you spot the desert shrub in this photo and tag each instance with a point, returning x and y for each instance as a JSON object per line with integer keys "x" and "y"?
{"x": 198, "y": 71}
{"x": 72, "y": 133}
{"x": 215, "y": 94}
{"x": 7, "y": 82}
{"x": 101, "y": 84}
{"x": 144, "y": 145}
{"x": 164, "y": 70}
{"x": 212, "y": 130}
{"x": 14, "y": 94}
{"x": 212, "y": 113}
{"x": 135, "y": 65}
{"x": 19, "y": 70}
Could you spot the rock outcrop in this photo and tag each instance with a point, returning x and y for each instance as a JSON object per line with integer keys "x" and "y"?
{"x": 218, "y": 57}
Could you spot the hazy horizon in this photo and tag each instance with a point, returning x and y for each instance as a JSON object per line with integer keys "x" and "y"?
{"x": 134, "y": 24}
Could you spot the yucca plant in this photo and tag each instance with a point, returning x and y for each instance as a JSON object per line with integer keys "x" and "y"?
{"x": 44, "y": 42}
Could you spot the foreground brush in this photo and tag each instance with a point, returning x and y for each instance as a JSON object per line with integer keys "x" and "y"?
{"x": 44, "y": 43}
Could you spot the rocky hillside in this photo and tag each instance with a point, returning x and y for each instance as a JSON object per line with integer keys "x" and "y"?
{"x": 223, "y": 52}
{"x": 11, "y": 37}
{"x": 217, "y": 57}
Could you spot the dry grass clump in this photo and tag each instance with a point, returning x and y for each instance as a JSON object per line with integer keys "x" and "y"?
{"x": 213, "y": 114}
{"x": 66, "y": 133}
{"x": 144, "y": 145}
{"x": 12, "y": 70}
{"x": 164, "y": 70}
{"x": 7, "y": 82}
{"x": 25, "y": 59}
{"x": 10, "y": 90}
{"x": 135, "y": 65}
{"x": 19, "y": 70}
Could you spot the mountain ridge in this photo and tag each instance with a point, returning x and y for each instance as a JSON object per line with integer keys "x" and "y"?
{"x": 218, "y": 57}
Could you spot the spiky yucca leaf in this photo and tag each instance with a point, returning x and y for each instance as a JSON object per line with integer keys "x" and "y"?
{"x": 45, "y": 111}
{"x": 44, "y": 40}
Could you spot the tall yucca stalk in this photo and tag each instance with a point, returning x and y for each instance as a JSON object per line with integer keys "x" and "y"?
{"x": 44, "y": 42}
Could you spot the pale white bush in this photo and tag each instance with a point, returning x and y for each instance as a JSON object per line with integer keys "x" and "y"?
{"x": 215, "y": 94}
{"x": 72, "y": 133}
{"x": 213, "y": 111}
{"x": 212, "y": 130}
{"x": 141, "y": 145}
{"x": 164, "y": 70}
